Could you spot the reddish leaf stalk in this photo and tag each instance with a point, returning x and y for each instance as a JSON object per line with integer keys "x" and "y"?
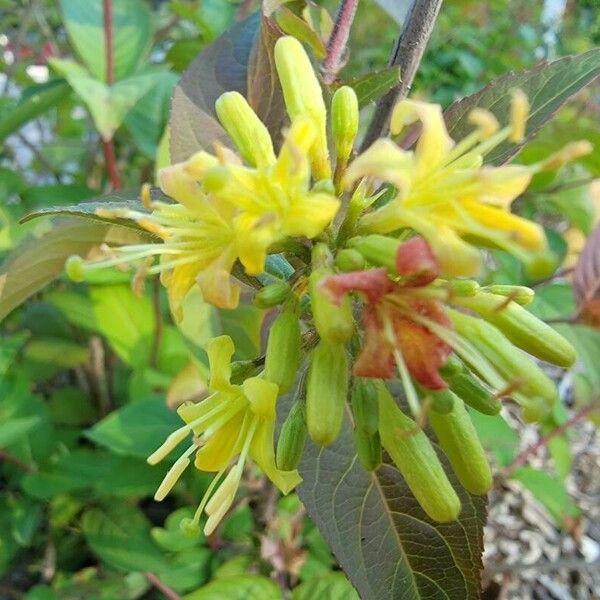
{"x": 162, "y": 587}
{"x": 338, "y": 40}
{"x": 532, "y": 450}
{"x": 108, "y": 146}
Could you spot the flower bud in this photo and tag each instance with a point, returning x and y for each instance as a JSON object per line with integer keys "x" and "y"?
{"x": 415, "y": 458}
{"x": 75, "y": 269}
{"x": 368, "y": 448}
{"x": 463, "y": 287}
{"x": 326, "y": 392}
{"x": 284, "y": 348}
{"x": 348, "y": 260}
{"x": 377, "y": 250}
{"x": 518, "y": 293}
{"x": 469, "y": 389}
{"x": 459, "y": 441}
{"x": 441, "y": 401}
{"x": 523, "y": 329}
{"x": 247, "y": 131}
{"x": 303, "y": 96}
{"x": 344, "y": 122}
{"x": 272, "y": 295}
{"x": 292, "y": 439}
{"x": 334, "y": 322}
{"x": 511, "y": 363}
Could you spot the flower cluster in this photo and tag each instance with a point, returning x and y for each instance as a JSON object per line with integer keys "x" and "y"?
{"x": 391, "y": 233}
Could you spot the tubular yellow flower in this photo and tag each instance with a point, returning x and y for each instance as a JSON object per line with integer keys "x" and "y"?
{"x": 235, "y": 421}
{"x": 445, "y": 193}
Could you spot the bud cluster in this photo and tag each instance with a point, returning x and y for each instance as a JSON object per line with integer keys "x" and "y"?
{"x": 385, "y": 250}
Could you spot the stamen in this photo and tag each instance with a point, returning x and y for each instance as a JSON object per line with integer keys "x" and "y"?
{"x": 567, "y": 154}
{"x": 174, "y": 474}
{"x": 485, "y": 121}
{"x": 173, "y": 440}
{"x": 519, "y": 113}
{"x": 146, "y": 196}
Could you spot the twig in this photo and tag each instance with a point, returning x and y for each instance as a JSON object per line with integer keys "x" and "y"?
{"x": 39, "y": 156}
{"x": 407, "y": 54}
{"x": 109, "y": 145}
{"x": 338, "y": 39}
{"x": 524, "y": 456}
{"x": 158, "y": 323}
{"x": 162, "y": 587}
{"x": 8, "y": 457}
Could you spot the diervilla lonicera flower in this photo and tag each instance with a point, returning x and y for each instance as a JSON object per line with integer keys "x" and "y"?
{"x": 391, "y": 232}
{"x": 234, "y": 421}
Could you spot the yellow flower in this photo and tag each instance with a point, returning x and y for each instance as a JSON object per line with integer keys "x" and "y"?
{"x": 226, "y": 210}
{"x": 444, "y": 191}
{"x": 235, "y": 421}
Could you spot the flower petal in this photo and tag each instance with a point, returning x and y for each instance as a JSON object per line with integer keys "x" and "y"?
{"x": 263, "y": 454}
{"x": 222, "y": 446}
{"x": 374, "y": 283}
{"x": 376, "y": 358}
{"x": 262, "y": 396}
{"x": 220, "y": 350}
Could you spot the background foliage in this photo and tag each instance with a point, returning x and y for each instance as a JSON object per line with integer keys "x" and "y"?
{"x": 85, "y": 369}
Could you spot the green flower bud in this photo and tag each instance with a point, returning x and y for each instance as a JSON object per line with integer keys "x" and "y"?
{"x": 344, "y": 121}
{"x": 365, "y": 411}
{"x": 510, "y": 362}
{"x": 518, "y": 293}
{"x": 75, "y": 269}
{"x": 284, "y": 350}
{"x": 292, "y": 439}
{"x": 247, "y": 131}
{"x": 441, "y": 401}
{"x": 523, "y": 328}
{"x": 469, "y": 389}
{"x": 349, "y": 260}
{"x": 463, "y": 287}
{"x": 272, "y": 295}
{"x": 334, "y": 322}
{"x": 413, "y": 454}
{"x": 459, "y": 441}
{"x": 326, "y": 392}
{"x": 303, "y": 96}
{"x": 378, "y": 250}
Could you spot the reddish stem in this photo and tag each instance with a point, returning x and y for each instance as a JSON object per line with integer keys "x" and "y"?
{"x": 108, "y": 146}
{"x": 8, "y": 457}
{"x": 338, "y": 40}
{"x": 162, "y": 587}
{"x": 524, "y": 456}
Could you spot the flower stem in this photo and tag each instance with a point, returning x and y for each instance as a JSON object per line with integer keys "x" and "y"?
{"x": 338, "y": 40}
{"x": 407, "y": 54}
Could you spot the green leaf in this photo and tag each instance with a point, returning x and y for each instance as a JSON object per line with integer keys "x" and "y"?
{"x": 587, "y": 343}
{"x": 264, "y": 93}
{"x": 496, "y": 436}
{"x": 548, "y": 85}
{"x": 380, "y": 535}
{"x": 333, "y": 586}
{"x": 374, "y": 85}
{"x": 44, "y": 195}
{"x": 549, "y": 491}
{"x": 220, "y": 67}
{"x": 13, "y": 430}
{"x": 146, "y": 121}
{"x": 238, "y": 588}
{"x": 553, "y": 301}
{"x": 39, "y": 99}
{"x": 108, "y": 105}
{"x": 137, "y": 429}
{"x": 8, "y": 351}
{"x": 41, "y": 259}
{"x": 120, "y": 535}
{"x": 132, "y": 34}
{"x": 56, "y": 352}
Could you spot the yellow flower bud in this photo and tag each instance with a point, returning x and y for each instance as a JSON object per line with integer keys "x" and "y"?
{"x": 292, "y": 439}
{"x": 518, "y": 293}
{"x": 247, "y": 131}
{"x": 303, "y": 96}
{"x": 344, "y": 122}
